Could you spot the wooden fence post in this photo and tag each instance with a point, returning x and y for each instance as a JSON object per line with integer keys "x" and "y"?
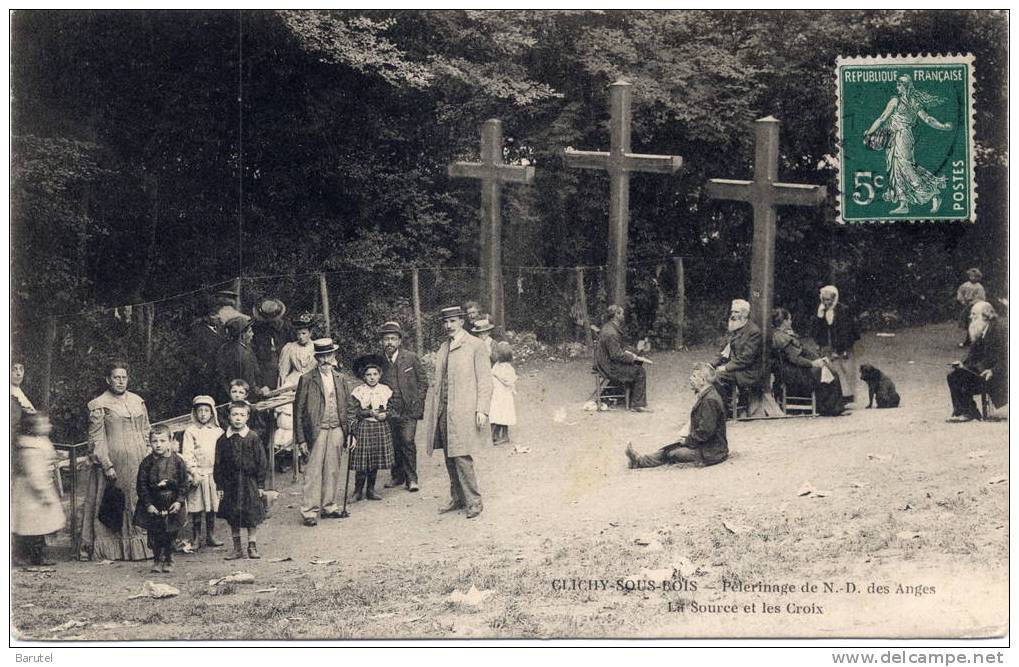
{"x": 582, "y": 296}
{"x": 47, "y": 371}
{"x": 415, "y": 288}
{"x": 680, "y": 302}
{"x": 323, "y": 289}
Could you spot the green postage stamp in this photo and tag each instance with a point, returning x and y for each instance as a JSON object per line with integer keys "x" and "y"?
{"x": 905, "y": 137}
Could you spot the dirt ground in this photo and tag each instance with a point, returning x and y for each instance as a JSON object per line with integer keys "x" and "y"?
{"x": 905, "y": 533}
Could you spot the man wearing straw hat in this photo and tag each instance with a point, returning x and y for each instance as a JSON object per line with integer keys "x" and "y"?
{"x": 319, "y": 408}
{"x": 457, "y": 412}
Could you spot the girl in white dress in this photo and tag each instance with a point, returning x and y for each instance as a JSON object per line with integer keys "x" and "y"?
{"x": 199, "y": 453}
{"x": 503, "y": 411}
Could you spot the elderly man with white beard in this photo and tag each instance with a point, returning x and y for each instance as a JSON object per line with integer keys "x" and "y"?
{"x": 739, "y": 362}
{"x": 985, "y": 368}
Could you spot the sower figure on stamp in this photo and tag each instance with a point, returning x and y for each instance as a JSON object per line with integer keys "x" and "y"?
{"x": 985, "y": 368}
{"x": 618, "y": 364}
{"x": 457, "y": 413}
{"x": 319, "y": 409}
{"x": 704, "y": 442}
{"x": 739, "y": 362}
{"x": 405, "y": 375}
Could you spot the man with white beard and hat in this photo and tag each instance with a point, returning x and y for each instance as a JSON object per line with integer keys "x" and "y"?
{"x": 985, "y": 368}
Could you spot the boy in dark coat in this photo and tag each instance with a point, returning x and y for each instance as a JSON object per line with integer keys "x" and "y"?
{"x": 706, "y": 443}
{"x": 239, "y": 473}
{"x": 162, "y": 489}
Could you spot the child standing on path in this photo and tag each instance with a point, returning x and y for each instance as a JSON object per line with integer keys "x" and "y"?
{"x": 162, "y": 483}
{"x": 199, "y": 454}
{"x": 503, "y": 412}
{"x": 239, "y": 474}
{"x": 368, "y": 408}
{"x": 969, "y": 293}
{"x": 36, "y": 505}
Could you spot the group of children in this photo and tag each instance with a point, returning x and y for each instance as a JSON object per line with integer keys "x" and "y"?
{"x": 217, "y": 473}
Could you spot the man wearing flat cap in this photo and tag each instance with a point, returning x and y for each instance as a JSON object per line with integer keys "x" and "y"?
{"x": 405, "y": 375}
{"x": 457, "y": 412}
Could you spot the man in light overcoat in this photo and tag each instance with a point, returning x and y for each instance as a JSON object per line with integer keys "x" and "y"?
{"x": 457, "y": 411}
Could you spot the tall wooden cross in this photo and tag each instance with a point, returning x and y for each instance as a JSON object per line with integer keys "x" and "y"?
{"x": 765, "y": 193}
{"x": 619, "y": 162}
{"x": 492, "y": 172}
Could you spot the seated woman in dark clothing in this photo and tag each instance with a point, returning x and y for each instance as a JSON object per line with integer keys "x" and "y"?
{"x": 800, "y": 371}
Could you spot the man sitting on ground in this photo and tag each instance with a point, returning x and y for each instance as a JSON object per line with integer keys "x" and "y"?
{"x": 985, "y": 368}
{"x": 739, "y": 362}
{"x": 705, "y": 443}
{"x": 620, "y": 365}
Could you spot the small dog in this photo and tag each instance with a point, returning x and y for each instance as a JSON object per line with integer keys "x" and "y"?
{"x": 879, "y": 385}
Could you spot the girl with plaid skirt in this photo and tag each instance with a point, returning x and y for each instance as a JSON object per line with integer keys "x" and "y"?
{"x": 368, "y": 410}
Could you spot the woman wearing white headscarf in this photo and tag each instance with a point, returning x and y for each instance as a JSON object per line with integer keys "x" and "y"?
{"x": 836, "y": 333}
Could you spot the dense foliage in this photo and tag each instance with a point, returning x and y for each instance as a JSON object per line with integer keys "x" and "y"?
{"x": 141, "y": 138}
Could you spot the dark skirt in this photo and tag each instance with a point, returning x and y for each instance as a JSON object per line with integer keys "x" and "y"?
{"x": 801, "y": 381}
{"x": 374, "y": 448}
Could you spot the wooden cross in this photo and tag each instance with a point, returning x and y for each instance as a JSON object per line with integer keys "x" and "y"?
{"x": 492, "y": 172}
{"x": 765, "y": 193}
{"x": 619, "y": 162}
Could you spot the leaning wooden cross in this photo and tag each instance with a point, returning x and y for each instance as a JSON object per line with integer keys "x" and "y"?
{"x": 765, "y": 194}
{"x": 619, "y": 162}
{"x": 492, "y": 172}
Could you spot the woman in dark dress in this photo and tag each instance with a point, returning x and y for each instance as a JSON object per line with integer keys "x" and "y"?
{"x": 799, "y": 370}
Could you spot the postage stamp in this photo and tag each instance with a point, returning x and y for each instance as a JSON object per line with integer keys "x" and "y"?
{"x": 905, "y": 137}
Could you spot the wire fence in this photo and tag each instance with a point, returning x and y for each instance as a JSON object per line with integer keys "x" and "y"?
{"x": 548, "y": 312}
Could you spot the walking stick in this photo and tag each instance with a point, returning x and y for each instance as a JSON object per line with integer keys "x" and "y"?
{"x": 346, "y": 485}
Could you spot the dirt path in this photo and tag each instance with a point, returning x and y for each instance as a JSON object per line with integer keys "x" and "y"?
{"x": 907, "y": 499}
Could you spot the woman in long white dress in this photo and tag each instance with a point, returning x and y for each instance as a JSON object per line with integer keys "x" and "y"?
{"x": 908, "y": 182}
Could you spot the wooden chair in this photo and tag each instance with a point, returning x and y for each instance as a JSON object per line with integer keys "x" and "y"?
{"x": 606, "y": 388}
{"x": 799, "y": 406}
{"x": 986, "y": 407}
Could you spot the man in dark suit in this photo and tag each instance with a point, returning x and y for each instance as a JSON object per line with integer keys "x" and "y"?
{"x": 739, "y": 363}
{"x": 619, "y": 364}
{"x": 405, "y": 375}
{"x": 705, "y": 442}
{"x": 319, "y": 414}
{"x": 985, "y": 368}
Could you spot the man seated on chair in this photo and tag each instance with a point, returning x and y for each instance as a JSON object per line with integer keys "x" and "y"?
{"x": 620, "y": 365}
{"x": 704, "y": 442}
{"x": 739, "y": 362}
{"x": 985, "y": 369}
